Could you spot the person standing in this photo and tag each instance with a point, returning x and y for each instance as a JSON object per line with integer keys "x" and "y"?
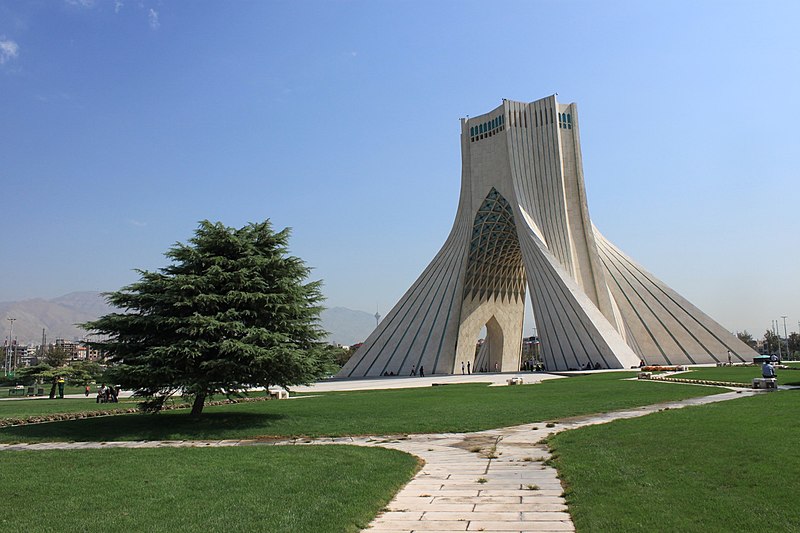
{"x": 413, "y": 370}
{"x": 462, "y": 368}
{"x": 421, "y": 371}
{"x": 61, "y": 387}
{"x": 468, "y": 369}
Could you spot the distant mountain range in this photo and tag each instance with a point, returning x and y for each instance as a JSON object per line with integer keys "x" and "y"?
{"x": 346, "y": 326}
{"x": 59, "y": 317}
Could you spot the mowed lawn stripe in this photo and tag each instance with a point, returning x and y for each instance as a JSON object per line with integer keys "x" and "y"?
{"x": 453, "y": 408}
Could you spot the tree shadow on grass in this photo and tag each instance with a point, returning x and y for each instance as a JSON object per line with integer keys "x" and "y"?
{"x": 162, "y": 426}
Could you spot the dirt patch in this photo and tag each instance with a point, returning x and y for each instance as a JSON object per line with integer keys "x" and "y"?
{"x": 471, "y": 442}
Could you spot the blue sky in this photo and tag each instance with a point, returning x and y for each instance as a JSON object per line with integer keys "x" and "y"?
{"x": 125, "y": 123}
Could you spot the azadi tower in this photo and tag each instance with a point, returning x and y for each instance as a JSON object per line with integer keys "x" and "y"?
{"x": 523, "y": 223}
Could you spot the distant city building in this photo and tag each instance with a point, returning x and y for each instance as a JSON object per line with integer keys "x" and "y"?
{"x": 78, "y": 350}
{"x": 523, "y": 224}
{"x": 71, "y": 348}
{"x": 29, "y": 356}
{"x": 530, "y": 349}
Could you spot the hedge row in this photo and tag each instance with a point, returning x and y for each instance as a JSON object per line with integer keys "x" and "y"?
{"x": 702, "y": 382}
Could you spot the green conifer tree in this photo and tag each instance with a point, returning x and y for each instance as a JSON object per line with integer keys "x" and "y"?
{"x": 232, "y": 311}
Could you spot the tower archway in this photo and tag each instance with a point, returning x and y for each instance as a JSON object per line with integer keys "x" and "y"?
{"x": 494, "y": 288}
{"x": 489, "y": 356}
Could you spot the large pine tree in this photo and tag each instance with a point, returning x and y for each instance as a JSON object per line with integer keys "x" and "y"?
{"x": 232, "y": 311}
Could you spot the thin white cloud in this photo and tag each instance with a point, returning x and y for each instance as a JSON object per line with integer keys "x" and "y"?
{"x": 118, "y": 5}
{"x": 8, "y": 49}
{"x": 52, "y": 97}
{"x": 152, "y": 16}
{"x": 81, "y": 3}
{"x": 137, "y": 223}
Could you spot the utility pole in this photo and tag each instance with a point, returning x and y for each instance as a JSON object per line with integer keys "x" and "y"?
{"x": 785, "y": 335}
{"x": 9, "y": 349}
{"x": 42, "y": 347}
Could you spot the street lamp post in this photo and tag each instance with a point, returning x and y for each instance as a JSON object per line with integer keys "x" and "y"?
{"x": 785, "y": 335}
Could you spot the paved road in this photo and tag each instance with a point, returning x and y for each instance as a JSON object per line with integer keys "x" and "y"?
{"x": 406, "y": 382}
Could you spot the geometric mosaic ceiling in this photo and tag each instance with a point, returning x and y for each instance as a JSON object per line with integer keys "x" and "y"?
{"x": 494, "y": 267}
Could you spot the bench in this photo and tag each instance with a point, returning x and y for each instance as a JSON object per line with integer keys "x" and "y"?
{"x": 18, "y": 390}
{"x": 765, "y": 383}
{"x": 278, "y": 394}
{"x": 514, "y": 381}
{"x": 645, "y": 375}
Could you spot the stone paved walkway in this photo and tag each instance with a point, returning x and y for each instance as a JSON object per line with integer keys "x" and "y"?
{"x": 490, "y": 481}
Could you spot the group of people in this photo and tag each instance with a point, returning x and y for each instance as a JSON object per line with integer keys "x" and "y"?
{"x": 532, "y": 366}
{"x": 108, "y": 394}
{"x": 482, "y": 369}
{"x": 413, "y": 371}
{"x": 767, "y": 371}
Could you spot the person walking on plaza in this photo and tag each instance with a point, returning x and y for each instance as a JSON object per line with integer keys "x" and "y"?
{"x": 462, "y": 368}
{"x": 413, "y": 370}
{"x": 421, "y": 371}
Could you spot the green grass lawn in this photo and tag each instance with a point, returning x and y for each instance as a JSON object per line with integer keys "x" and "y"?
{"x": 739, "y": 374}
{"x": 293, "y": 489}
{"x": 729, "y": 466}
{"x": 45, "y": 406}
{"x": 452, "y": 408}
{"x": 23, "y": 408}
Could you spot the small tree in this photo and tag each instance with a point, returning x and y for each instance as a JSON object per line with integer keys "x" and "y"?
{"x": 44, "y": 373}
{"x": 339, "y": 356}
{"x": 771, "y": 342}
{"x": 55, "y": 356}
{"x": 794, "y": 343}
{"x": 231, "y": 312}
{"x": 748, "y": 339}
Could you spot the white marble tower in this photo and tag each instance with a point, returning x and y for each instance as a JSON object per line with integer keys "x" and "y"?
{"x": 523, "y": 222}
